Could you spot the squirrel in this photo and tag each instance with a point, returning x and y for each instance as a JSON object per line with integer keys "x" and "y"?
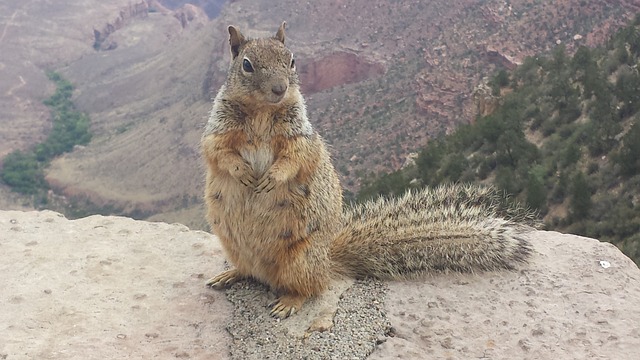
{"x": 275, "y": 202}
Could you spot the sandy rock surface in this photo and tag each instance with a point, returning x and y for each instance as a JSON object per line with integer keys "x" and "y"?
{"x": 107, "y": 288}
{"x": 564, "y": 304}
{"x": 115, "y": 288}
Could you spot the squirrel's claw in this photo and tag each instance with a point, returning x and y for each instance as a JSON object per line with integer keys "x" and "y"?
{"x": 247, "y": 182}
{"x": 281, "y": 311}
{"x": 244, "y": 174}
{"x": 286, "y": 306}
{"x": 265, "y": 184}
{"x": 224, "y": 279}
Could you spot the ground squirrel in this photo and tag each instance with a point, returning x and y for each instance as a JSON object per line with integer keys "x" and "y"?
{"x": 275, "y": 202}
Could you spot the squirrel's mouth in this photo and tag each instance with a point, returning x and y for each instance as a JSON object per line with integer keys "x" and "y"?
{"x": 275, "y": 99}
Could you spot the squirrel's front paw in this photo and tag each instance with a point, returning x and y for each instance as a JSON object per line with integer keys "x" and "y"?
{"x": 244, "y": 174}
{"x": 266, "y": 183}
{"x": 247, "y": 180}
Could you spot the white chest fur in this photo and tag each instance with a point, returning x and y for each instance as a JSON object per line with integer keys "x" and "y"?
{"x": 259, "y": 154}
{"x": 259, "y": 157}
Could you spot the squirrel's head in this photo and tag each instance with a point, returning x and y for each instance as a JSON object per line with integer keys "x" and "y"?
{"x": 263, "y": 69}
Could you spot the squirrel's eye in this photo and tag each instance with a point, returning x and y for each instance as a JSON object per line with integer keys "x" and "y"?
{"x": 246, "y": 65}
{"x": 293, "y": 63}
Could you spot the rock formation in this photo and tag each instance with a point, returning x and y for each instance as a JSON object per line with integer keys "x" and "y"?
{"x": 138, "y": 10}
{"x": 486, "y": 103}
{"x": 190, "y": 13}
{"x": 336, "y": 69}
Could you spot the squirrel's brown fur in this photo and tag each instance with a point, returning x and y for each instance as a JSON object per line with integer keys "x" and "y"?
{"x": 275, "y": 202}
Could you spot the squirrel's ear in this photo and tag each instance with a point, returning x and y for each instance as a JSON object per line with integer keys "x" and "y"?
{"x": 280, "y": 33}
{"x": 235, "y": 40}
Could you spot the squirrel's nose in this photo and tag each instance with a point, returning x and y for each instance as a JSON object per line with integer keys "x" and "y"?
{"x": 279, "y": 89}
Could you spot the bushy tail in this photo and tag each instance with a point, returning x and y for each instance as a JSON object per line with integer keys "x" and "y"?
{"x": 461, "y": 228}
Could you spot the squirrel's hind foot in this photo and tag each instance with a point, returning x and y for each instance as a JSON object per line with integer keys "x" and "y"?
{"x": 286, "y": 305}
{"x": 224, "y": 279}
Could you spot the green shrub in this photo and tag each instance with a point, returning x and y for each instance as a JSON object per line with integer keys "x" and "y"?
{"x": 24, "y": 171}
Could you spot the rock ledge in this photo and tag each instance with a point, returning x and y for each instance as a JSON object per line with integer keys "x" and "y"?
{"x": 112, "y": 287}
